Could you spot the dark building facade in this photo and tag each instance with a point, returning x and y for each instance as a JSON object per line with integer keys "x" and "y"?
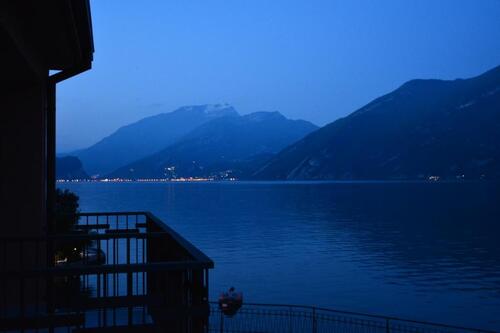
{"x": 131, "y": 272}
{"x": 36, "y": 37}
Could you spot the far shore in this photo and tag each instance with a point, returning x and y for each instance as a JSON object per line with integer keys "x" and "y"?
{"x": 308, "y": 181}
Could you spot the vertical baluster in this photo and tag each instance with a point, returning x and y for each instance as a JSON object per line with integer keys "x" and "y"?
{"x": 137, "y": 261}
{"x": 129, "y": 279}
{"x": 107, "y": 242}
{"x": 314, "y": 327}
{"x": 221, "y": 322}
{"x": 99, "y": 261}
{"x": 128, "y": 249}
{"x": 105, "y": 293}
{"x": 115, "y": 262}
{"x": 144, "y": 261}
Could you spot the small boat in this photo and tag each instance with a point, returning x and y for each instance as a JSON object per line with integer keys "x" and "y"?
{"x": 230, "y": 302}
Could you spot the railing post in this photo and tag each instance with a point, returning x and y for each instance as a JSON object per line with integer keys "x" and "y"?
{"x": 314, "y": 324}
{"x": 129, "y": 281}
{"x": 387, "y": 326}
{"x": 221, "y": 322}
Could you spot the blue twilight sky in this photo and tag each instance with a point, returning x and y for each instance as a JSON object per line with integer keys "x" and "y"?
{"x": 316, "y": 60}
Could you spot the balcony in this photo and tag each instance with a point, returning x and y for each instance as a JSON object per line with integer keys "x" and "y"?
{"x": 128, "y": 270}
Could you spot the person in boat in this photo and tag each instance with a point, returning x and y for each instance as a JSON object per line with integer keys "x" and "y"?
{"x": 231, "y": 296}
{"x": 232, "y": 293}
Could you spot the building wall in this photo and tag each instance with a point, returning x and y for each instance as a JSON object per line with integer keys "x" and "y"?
{"x": 23, "y": 156}
{"x": 34, "y": 36}
{"x": 23, "y": 114}
{"x": 23, "y": 190}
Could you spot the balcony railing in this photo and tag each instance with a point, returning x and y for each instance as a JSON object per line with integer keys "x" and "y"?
{"x": 280, "y": 318}
{"x": 130, "y": 270}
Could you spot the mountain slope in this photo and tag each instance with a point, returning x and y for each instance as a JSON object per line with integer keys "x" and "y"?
{"x": 231, "y": 142}
{"x": 147, "y": 136}
{"x": 423, "y": 128}
{"x": 70, "y": 167}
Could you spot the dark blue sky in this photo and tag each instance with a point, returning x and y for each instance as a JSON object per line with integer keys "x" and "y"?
{"x": 316, "y": 60}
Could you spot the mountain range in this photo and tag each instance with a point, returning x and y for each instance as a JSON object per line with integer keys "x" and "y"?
{"x": 230, "y": 146}
{"x": 425, "y": 128}
{"x": 146, "y": 136}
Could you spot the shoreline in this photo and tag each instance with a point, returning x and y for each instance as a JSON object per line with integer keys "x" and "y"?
{"x": 278, "y": 181}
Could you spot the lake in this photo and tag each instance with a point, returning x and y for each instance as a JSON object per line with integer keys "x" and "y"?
{"x": 425, "y": 251}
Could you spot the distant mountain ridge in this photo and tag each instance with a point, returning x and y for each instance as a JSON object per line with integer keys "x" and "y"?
{"x": 233, "y": 145}
{"x": 146, "y": 136}
{"x": 448, "y": 129}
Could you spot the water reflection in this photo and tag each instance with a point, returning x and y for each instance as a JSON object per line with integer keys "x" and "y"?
{"x": 427, "y": 251}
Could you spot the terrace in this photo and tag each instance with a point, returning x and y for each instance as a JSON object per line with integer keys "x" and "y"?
{"x": 131, "y": 271}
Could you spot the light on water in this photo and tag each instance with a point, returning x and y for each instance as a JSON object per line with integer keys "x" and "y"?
{"x": 426, "y": 251}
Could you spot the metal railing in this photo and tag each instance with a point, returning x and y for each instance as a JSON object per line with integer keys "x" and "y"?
{"x": 128, "y": 268}
{"x": 281, "y": 318}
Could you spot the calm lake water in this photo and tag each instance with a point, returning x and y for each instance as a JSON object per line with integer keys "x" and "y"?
{"x": 425, "y": 251}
